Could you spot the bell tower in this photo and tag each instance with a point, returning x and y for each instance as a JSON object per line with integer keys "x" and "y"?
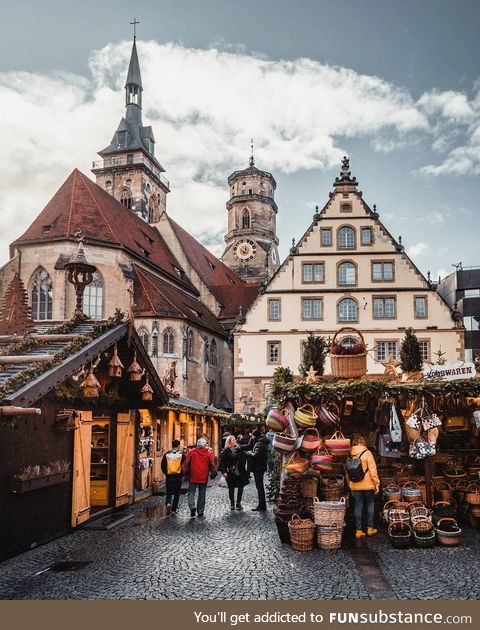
{"x": 251, "y": 240}
{"x": 129, "y": 170}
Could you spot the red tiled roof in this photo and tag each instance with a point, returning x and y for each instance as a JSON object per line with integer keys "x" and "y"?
{"x": 80, "y": 204}
{"x": 230, "y": 290}
{"x": 156, "y": 298}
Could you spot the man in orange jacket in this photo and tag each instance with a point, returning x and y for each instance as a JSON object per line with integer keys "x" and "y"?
{"x": 364, "y": 491}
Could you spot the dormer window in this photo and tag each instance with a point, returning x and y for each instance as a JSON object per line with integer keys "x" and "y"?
{"x": 211, "y": 265}
{"x": 122, "y": 138}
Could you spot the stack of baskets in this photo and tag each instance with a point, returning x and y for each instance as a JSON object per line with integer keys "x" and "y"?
{"x": 472, "y": 497}
{"x": 332, "y": 487}
{"x": 289, "y": 503}
{"x": 329, "y": 518}
{"x": 422, "y": 526}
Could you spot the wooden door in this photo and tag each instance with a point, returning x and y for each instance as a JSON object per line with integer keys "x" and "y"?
{"x": 81, "y": 468}
{"x": 125, "y": 459}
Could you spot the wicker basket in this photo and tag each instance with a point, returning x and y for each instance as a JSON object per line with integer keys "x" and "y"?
{"x": 348, "y": 365}
{"x": 330, "y": 536}
{"x": 472, "y": 463}
{"x": 331, "y": 487}
{"x": 448, "y": 532}
{"x": 283, "y": 531}
{"x": 419, "y": 511}
{"x": 410, "y": 493}
{"x": 398, "y": 513}
{"x": 392, "y": 493}
{"x": 400, "y": 534}
{"x": 386, "y": 508}
{"x": 453, "y": 474}
{"x": 422, "y": 525}
{"x": 309, "y": 487}
{"x": 424, "y": 540}
{"x": 472, "y": 494}
{"x": 422, "y": 486}
{"x": 329, "y": 512}
{"x": 302, "y": 533}
{"x": 443, "y": 490}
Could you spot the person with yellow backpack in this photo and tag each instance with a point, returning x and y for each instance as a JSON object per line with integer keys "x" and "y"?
{"x": 171, "y": 465}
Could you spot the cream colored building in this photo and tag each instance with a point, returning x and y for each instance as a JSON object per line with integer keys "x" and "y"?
{"x": 346, "y": 270}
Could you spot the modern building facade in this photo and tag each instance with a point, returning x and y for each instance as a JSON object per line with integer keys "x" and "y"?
{"x": 345, "y": 271}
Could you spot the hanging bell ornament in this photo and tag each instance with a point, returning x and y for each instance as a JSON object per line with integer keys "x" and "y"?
{"x": 147, "y": 391}
{"x": 115, "y": 366}
{"x": 90, "y": 386}
{"x": 135, "y": 371}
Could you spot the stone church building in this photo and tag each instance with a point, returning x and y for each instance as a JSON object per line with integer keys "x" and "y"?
{"x": 185, "y": 300}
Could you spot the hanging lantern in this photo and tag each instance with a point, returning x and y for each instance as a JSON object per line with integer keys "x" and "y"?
{"x": 90, "y": 386}
{"x": 135, "y": 371}
{"x": 115, "y": 366}
{"x": 147, "y": 391}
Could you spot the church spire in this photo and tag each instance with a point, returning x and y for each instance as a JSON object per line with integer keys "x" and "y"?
{"x": 133, "y": 85}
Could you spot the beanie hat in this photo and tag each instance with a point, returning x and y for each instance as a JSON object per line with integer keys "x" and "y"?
{"x": 202, "y": 442}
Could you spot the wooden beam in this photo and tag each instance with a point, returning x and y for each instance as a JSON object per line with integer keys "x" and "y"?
{"x": 46, "y": 337}
{"x": 17, "y": 360}
{"x": 20, "y": 411}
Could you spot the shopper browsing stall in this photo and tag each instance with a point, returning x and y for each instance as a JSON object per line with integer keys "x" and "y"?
{"x": 171, "y": 465}
{"x": 364, "y": 484}
{"x": 233, "y": 466}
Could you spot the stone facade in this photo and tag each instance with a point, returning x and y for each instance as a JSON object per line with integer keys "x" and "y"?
{"x": 346, "y": 271}
{"x": 251, "y": 241}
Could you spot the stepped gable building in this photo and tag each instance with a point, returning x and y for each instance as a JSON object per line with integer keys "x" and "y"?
{"x": 346, "y": 271}
{"x": 185, "y": 300}
{"x": 251, "y": 241}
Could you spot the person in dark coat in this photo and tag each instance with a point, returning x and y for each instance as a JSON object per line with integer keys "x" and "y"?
{"x": 171, "y": 466}
{"x": 258, "y": 466}
{"x": 233, "y": 466}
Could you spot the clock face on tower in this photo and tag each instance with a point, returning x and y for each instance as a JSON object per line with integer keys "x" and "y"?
{"x": 245, "y": 250}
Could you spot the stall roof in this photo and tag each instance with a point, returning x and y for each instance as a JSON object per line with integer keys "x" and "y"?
{"x": 187, "y": 405}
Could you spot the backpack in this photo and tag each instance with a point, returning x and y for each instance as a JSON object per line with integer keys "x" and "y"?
{"x": 174, "y": 463}
{"x": 354, "y": 467}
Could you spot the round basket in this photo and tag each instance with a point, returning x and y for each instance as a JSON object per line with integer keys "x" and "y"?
{"x": 422, "y": 525}
{"x": 338, "y": 445}
{"x": 283, "y": 531}
{"x": 330, "y": 536}
{"x": 472, "y": 494}
{"x": 472, "y": 462}
{"x": 306, "y": 417}
{"x": 302, "y": 533}
{"x": 386, "y": 508}
{"x": 419, "y": 511}
{"x": 410, "y": 493}
{"x": 448, "y": 532}
{"x": 309, "y": 486}
{"x": 443, "y": 490}
{"x": 348, "y": 365}
{"x": 321, "y": 460}
{"x": 392, "y": 493}
{"x": 475, "y": 510}
{"x": 453, "y": 474}
{"x": 276, "y": 421}
{"x": 398, "y": 513}
{"x": 400, "y": 534}
{"x": 329, "y": 512}
{"x": 424, "y": 540}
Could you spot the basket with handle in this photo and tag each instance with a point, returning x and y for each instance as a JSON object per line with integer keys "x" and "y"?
{"x": 330, "y": 536}
{"x": 305, "y": 416}
{"x": 283, "y": 443}
{"x": 276, "y": 420}
{"x": 400, "y": 534}
{"x": 348, "y": 365}
{"x": 448, "y": 532}
{"x": 311, "y": 441}
{"x": 309, "y": 486}
{"x": 296, "y": 465}
{"x": 422, "y": 525}
{"x": 392, "y": 493}
{"x": 424, "y": 539}
{"x": 328, "y": 512}
{"x": 410, "y": 493}
{"x": 321, "y": 460}
{"x": 331, "y": 487}
{"x": 398, "y": 512}
{"x": 338, "y": 445}
{"x": 422, "y": 486}
{"x": 386, "y": 508}
{"x": 302, "y": 533}
{"x": 472, "y": 495}
{"x": 472, "y": 464}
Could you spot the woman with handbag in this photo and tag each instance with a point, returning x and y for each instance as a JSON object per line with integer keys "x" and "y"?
{"x": 233, "y": 466}
{"x": 364, "y": 484}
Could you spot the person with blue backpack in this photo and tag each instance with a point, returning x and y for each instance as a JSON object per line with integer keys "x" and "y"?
{"x": 364, "y": 484}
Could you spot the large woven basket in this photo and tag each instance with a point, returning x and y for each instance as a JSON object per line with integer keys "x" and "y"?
{"x": 330, "y": 536}
{"x": 448, "y": 532}
{"x": 309, "y": 486}
{"x": 348, "y": 365}
{"x": 400, "y": 534}
{"x": 302, "y": 533}
{"x": 472, "y": 494}
{"x": 329, "y": 512}
{"x": 424, "y": 540}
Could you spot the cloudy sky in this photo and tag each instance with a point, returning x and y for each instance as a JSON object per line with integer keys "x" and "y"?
{"x": 394, "y": 84}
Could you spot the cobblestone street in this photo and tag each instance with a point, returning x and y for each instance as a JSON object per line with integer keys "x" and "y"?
{"x": 233, "y": 555}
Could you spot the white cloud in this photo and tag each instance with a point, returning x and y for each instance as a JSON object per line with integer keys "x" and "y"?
{"x": 419, "y": 249}
{"x": 453, "y": 106}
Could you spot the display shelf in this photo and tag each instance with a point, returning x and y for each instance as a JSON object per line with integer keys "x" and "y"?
{"x": 19, "y": 486}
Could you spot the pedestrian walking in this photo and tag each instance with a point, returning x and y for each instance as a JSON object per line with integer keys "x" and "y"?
{"x": 364, "y": 484}
{"x": 171, "y": 466}
{"x": 258, "y": 466}
{"x": 233, "y": 466}
{"x": 199, "y": 463}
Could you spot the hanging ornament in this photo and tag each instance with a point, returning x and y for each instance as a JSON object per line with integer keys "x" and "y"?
{"x": 147, "y": 391}
{"x": 135, "y": 371}
{"x": 115, "y": 366}
{"x": 90, "y": 386}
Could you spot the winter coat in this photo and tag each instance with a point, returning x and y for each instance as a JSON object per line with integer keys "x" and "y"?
{"x": 371, "y": 480}
{"x": 231, "y": 460}
{"x": 197, "y": 464}
{"x": 172, "y": 454}
{"x": 259, "y": 457}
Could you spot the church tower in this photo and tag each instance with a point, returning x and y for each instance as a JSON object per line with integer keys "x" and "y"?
{"x": 251, "y": 239}
{"x": 128, "y": 169}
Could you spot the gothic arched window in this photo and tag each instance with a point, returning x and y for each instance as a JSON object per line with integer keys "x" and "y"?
{"x": 93, "y": 298}
{"x": 168, "y": 341}
{"x": 42, "y": 295}
{"x": 347, "y": 310}
{"x": 246, "y": 219}
{"x": 213, "y": 352}
{"x": 126, "y": 198}
{"x": 153, "y": 214}
{"x": 144, "y": 337}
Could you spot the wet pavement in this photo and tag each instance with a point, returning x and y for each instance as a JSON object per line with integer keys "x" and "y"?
{"x": 232, "y": 555}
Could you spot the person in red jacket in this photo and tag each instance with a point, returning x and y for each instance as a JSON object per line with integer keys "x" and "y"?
{"x": 198, "y": 464}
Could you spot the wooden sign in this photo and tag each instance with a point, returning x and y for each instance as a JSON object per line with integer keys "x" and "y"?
{"x": 451, "y": 371}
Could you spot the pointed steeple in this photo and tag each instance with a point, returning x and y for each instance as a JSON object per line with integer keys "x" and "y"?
{"x": 134, "y": 88}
